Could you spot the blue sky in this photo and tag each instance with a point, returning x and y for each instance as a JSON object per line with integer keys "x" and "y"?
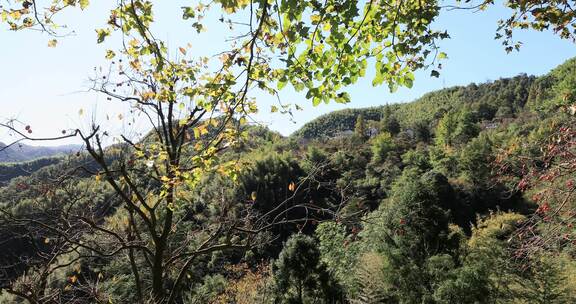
{"x": 46, "y": 87}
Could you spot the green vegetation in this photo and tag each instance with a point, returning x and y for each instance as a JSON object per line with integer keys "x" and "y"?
{"x": 462, "y": 196}
{"x": 406, "y": 215}
{"x": 9, "y": 171}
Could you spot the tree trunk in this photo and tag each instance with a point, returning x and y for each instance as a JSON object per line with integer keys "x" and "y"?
{"x": 158, "y": 273}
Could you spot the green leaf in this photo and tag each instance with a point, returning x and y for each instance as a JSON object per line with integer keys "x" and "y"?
{"x": 409, "y": 80}
{"x": 316, "y": 101}
{"x": 378, "y": 79}
{"x": 298, "y": 86}
{"x": 188, "y": 12}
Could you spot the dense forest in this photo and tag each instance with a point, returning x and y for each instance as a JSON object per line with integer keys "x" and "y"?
{"x": 462, "y": 196}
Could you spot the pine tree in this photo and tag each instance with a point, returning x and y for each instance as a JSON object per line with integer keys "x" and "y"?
{"x": 389, "y": 123}
{"x": 360, "y": 127}
{"x": 301, "y": 276}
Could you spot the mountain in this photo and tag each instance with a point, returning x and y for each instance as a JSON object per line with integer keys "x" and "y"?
{"x": 23, "y": 152}
{"x": 9, "y": 171}
{"x": 497, "y": 100}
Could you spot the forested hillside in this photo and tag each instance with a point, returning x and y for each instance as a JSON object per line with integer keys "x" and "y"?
{"x": 9, "y": 171}
{"x": 22, "y": 152}
{"x": 494, "y": 101}
{"x": 462, "y": 196}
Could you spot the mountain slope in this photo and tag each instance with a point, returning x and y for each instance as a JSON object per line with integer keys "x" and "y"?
{"x": 22, "y": 152}
{"x": 496, "y": 100}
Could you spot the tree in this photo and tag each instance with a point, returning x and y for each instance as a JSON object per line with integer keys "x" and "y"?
{"x": 467, "y": 128}
{"x": 360, "y": 127}
{"x": 382, "y": 144}
{"x": 444, "y": 134}
{"x": 338, "y": 251}
{"x": 301, "y": 277}
{"x": 456, "y": 128}
{"x": 540, "y": 167}
{"x": 417, "y": 159}
{"x": 409, "y": 231}
{"x": 557, "y": 15}
{"x": 421, "y": 131}
{"x": 340, "y": 33}
{"x": 475, "y": 159}
{"x": 389, "y": 123}
{"x": 535, "y": 279}
{"x": 269, "y": 184}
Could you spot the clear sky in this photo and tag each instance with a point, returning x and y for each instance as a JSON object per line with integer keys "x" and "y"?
{"x": 46, "y": 87}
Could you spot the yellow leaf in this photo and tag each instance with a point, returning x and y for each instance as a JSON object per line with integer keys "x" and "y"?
{"x": 315, "y": 18}
{"x": 148, "y": 95}
{"x": 52, "y": 43}
{"x": 81, "y": 112}
{"x": 292, "y": 186}
{"x": 203, "y": 129}
{"x": 110, "y": 54}
{"x": 134, "y": 42}
{"x": 84, "y": 4}
{"x": 15, "y": 15}
{"x": 136, "y": 64}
